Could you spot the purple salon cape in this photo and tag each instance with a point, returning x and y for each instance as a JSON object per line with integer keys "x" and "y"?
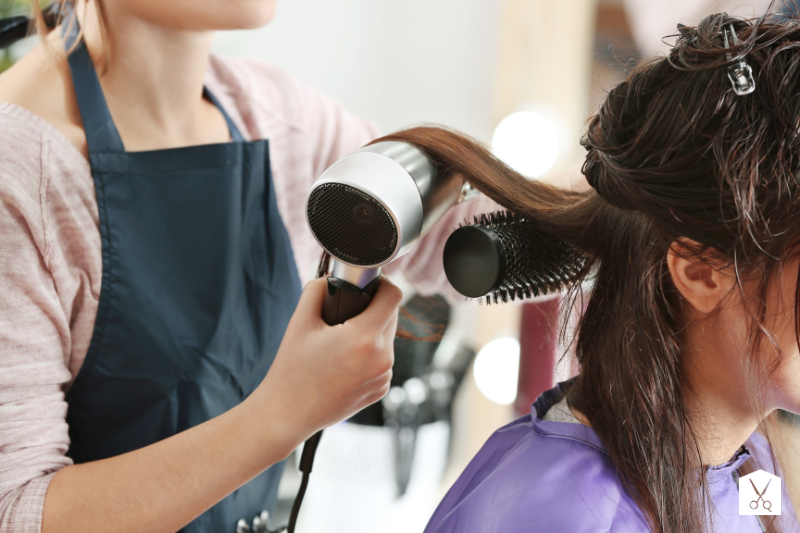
{"x": 537, "y": 475}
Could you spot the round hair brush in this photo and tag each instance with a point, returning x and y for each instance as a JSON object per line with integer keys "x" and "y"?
{"x": 503, "y": 257}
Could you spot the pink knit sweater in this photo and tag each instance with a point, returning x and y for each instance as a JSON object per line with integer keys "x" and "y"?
{"x": 50, "y": 254}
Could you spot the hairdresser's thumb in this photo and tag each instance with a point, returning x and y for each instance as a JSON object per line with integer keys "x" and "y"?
{"x": 383, "y": 307}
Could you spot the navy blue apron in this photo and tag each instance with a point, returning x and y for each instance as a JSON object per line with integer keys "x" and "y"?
{"x": 199, "y": 283}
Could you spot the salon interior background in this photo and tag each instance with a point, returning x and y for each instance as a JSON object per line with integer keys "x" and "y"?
{"x": 467, "y": 64}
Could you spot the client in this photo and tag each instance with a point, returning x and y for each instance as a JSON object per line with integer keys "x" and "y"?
{"x": 689, "y": 340}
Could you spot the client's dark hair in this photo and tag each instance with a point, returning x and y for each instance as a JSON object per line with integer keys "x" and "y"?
{"x": 673, "y": 153}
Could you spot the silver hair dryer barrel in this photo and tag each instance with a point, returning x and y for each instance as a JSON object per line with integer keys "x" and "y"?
{"x": 368, "y": 209}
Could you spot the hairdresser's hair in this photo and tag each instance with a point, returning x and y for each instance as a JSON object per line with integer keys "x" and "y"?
{"x": 673, "y": 155}
{"x": 45, "y": 21}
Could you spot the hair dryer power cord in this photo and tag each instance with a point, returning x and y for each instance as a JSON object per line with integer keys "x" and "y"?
{"x": 306, "y": 462}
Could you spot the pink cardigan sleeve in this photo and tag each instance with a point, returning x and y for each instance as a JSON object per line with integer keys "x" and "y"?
{"x": 34, "y": 336}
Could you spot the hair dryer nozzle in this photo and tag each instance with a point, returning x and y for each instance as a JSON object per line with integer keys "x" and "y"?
{"x": 368, "y": 209}
{"x": 371, "y": 206}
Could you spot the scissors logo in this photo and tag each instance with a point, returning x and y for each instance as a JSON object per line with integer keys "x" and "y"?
{"x": 766, "y": 501}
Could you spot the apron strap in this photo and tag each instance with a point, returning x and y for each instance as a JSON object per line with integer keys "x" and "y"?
{"x": 236, "y": 135}
{"x": 101, "y": 133}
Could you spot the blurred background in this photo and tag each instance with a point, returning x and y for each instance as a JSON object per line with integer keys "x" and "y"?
{"x": 522, "y": 76}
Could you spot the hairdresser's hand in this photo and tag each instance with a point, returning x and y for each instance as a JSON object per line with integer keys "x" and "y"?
{"x": 321, "y": 375}
{"x": 324, "y": 374}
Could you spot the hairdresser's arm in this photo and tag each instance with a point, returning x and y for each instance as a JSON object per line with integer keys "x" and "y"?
{"x": 321, "y": 375}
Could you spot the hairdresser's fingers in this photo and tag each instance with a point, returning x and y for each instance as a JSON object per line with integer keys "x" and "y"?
{"x": 382, "y": 360}
{"x": 374, "y": 389}
{"x": 383, "y": 308}
{"x": 385, "y": 340}
{"x": 377, "y": 395}
{"x": 377, "y": 382}
{"x": 390, "y": 330}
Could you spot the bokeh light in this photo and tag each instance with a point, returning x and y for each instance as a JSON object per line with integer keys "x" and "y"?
{"x": 496, "y": 370}
{"x": 528, "y": 142}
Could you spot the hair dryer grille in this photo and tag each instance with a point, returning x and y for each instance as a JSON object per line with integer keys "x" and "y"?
{"x": 351, "y": 225}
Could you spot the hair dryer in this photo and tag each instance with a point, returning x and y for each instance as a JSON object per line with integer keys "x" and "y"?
{"x": 368, "y": 209}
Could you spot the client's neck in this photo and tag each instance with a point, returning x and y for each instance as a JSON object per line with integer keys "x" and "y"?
{"x": 716, "y": 396}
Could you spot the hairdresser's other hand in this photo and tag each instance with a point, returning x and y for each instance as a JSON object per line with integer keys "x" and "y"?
{"x": 324, "y": 374}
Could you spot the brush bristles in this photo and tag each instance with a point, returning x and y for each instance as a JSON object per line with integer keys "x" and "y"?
{"x": 536, "y": 265}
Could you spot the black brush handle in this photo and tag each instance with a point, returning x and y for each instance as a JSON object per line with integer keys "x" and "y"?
{"x": 503, "y": 257}
{"x": 474, "y": 260}
{"x": 343, "y": 300}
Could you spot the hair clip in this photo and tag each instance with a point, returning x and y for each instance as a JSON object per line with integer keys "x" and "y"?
{"x": 740, "y": 73}
{"x": 468, "y": 192}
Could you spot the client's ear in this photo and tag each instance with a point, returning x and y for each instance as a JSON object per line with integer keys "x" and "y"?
{"x": 702, "y": 284}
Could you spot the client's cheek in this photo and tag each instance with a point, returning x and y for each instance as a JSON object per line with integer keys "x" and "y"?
{"x": 784, "y": 385}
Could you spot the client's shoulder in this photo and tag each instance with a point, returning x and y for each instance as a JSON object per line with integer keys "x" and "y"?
{"x": 539, "y": 475}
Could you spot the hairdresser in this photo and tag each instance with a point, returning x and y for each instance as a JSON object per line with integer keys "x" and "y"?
{"x": 151, "y": 262}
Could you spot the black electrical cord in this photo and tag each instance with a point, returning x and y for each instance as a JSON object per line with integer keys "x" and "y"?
{"x": 310, "y": 446}
{"x": 306, "y": 462}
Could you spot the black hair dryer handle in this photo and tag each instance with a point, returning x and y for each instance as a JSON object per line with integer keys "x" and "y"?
{"x": 343, "y": 300}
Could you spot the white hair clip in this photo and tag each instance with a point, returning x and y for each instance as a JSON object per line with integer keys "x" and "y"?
{"x": 740, "y": 73}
